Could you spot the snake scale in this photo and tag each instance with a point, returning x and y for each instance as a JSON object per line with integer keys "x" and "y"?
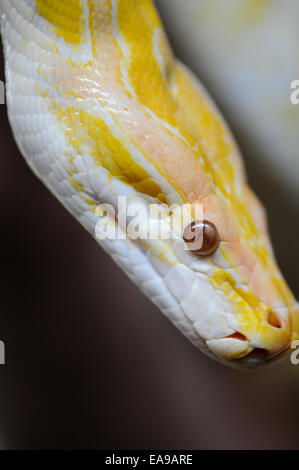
{"x": 100, "y": 109}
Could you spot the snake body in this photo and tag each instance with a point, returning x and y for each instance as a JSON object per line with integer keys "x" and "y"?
{"x": 101, "y": 108}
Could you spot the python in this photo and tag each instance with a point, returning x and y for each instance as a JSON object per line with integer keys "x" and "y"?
{"x": 101, "y": 108}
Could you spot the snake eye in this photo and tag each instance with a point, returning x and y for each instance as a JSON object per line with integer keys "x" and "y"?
{"x": 201, "y": 237}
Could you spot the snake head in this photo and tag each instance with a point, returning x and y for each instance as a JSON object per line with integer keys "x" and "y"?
{"x": 235, "y": 298}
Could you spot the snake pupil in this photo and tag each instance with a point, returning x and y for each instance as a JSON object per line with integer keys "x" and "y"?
{"x": 201, "y": 237}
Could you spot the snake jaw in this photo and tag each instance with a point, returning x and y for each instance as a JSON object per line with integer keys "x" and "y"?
{"x": 229, "y": 348}
{"x": 227, "y": 323}
{"x": 266, "y": 345}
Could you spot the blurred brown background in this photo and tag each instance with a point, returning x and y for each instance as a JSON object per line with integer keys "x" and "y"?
{"x": 91, "y": 363}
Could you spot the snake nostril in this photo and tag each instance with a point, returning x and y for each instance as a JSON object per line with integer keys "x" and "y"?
{"x": 273, "y": 319}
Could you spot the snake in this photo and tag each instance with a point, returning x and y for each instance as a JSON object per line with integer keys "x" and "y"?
{"x": 101, "y": 109}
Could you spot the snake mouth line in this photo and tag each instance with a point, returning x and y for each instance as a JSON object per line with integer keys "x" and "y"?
{"x": 261, "y": 357}
{"x": 240, "y": 349}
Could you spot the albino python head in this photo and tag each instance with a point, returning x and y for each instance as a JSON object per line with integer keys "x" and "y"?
{"x": 100, "y": 108}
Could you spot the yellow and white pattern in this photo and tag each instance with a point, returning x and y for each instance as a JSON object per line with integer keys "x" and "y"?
{"x": 100, "y": 108}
